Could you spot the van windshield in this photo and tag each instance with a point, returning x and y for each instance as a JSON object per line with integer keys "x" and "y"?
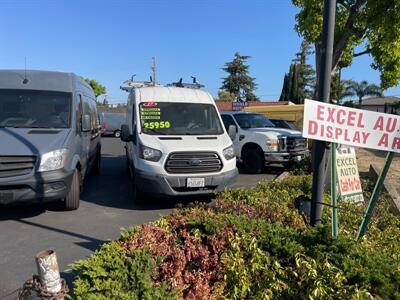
{"x": 171, "y": 118}
{"x": 35, "y": 109}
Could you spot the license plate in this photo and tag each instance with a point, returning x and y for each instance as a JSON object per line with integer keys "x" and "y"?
{"x": 195, "y": 182}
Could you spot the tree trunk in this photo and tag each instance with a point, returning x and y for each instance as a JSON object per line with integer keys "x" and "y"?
{"x": 359, "y": 101}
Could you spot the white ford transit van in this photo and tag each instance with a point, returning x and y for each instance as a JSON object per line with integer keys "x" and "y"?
{"x": 176, "y": 143}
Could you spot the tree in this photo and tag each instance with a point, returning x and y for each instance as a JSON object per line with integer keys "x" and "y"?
{"x": 362, "y": 89}
{"x": 238, "y": 82}
{"x": 298, "y": 84}
{"x": 97, "y": 87}
{"x": 225, "y": 96}
{"x": 371, "y": 23}
{"x": 339, "y": 89}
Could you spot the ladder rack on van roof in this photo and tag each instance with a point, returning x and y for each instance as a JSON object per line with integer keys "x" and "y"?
{"x": 128, "y": 85}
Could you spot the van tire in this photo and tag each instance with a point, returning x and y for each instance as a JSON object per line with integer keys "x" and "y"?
{"x": 117, "y": 133}
{"x": 253, "y": 161}
{"x": 71, "y": 202}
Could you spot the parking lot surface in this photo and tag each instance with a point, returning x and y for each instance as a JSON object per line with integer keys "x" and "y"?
{"x": 106, "y": 207}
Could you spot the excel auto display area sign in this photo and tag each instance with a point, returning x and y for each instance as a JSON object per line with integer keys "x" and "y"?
{"x": 351, "y": 126}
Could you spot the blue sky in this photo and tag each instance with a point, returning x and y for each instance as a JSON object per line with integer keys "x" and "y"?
{"x": 111, "y": 40}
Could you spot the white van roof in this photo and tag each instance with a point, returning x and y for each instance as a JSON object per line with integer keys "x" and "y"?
{"x": 172, "y": 94}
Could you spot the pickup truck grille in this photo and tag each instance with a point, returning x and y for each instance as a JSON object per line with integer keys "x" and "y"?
{"x": 11, "y": 166}
{"x": 294, "y": 143}
{"x": 193, "y": 162}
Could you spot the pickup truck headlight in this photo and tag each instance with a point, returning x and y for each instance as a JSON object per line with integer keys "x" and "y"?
{"x": 228, "y": 153}
{"x": 53, "y": 160}
{"x": 272, "y": 145}
{"x": 150, "y": 154}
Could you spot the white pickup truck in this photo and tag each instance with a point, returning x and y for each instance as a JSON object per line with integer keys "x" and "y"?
{"x": 257, "y": 142}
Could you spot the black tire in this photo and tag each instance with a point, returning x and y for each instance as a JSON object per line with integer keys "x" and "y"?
{"x": 96, "y": 170}
{"x": 71, "y": 202}
{"x": 137, "y": 195}
{"x": 253, "y": 161}
{"x": 117, "y": 133}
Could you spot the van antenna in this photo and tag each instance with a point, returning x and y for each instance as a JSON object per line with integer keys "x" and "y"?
{"x": 154, "y": 70}
{"x": 25, "y": 81}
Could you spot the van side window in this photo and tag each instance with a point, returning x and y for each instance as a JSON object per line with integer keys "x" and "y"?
{"x": 86, "y": 108}
{"x": 79, "y": 114}
{"x": 228, "y": 120}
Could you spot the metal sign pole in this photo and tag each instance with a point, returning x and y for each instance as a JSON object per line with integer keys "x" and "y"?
{"x": 324, "y": 87}
{"x": 375, "y": 195}
{"x": 335, "y": 226}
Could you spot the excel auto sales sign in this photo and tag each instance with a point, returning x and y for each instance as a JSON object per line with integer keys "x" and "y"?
{"x": 351, "y": 126}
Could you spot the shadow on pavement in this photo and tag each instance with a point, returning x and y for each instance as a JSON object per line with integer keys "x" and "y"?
{"x": 112, "y": 188}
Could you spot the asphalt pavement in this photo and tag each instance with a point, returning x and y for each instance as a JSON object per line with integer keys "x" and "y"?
{"x": 106, "y": 207}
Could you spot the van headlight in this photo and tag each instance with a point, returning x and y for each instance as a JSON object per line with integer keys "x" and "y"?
{"x": 272, "y": 145}
{"x": 228, "y": 153}
{"x": 150, "y": 154}
{"x": 53, "y": 160}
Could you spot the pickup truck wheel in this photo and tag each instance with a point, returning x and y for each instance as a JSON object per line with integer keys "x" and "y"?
{"x": 253, "y": 161}
{"x": 71, "y": 202}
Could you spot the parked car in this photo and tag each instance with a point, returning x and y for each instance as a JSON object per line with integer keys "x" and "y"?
{"x": 176, "y": 144}
{"x": 49, "y": 136}
{"x": 284, "y": 124}
{"x": 111, "y": 123}
{"x": 257, "y": 141}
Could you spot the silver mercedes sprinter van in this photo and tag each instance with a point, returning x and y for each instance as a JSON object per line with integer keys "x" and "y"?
{"x": 49, "y": 136}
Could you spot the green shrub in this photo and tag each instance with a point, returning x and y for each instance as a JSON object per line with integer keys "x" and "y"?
{"x": 252, "y": 244}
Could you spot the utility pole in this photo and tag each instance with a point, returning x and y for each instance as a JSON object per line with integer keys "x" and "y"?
{"x": 154, "y": 69}
{"x": 324, "y": 87}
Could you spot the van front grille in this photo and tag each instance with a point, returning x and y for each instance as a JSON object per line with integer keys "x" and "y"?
{"x": 193, "y": 162}
{"x": 11, "y": 166}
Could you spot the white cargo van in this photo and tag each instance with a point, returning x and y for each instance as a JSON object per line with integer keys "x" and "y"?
{"x": 176, "y": 143}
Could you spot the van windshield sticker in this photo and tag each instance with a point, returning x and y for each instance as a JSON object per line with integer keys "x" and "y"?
{"x": 161, "y": 125}
{"x": 149, "y": 111}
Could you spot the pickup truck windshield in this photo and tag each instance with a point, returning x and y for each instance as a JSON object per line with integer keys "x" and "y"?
{"x": 247, "y": 121}
{"x": 171, "y": 118}
{"x": 34, "y": 109}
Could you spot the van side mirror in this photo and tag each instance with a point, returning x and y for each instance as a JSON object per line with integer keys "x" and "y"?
{"x": 232, "y": 131}
{"x": 125, "y": 134}
{"x": 86, "y": 124}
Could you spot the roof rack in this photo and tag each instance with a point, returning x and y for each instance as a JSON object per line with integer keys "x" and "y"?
{"x": 193, "y": 85}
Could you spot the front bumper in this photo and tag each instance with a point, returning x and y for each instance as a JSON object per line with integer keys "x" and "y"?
{"x": 176, "y": 185}
{"x": 284, "y": 157}
{"x": 39, "y": 187}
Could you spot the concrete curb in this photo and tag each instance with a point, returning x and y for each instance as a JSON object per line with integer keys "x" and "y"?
{"x": 282, "y": 176}
{"x": 389, "y": 187}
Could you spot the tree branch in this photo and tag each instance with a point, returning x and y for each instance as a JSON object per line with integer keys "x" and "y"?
{"x": 342, "y": 42}
{"x": 362, "y": 53}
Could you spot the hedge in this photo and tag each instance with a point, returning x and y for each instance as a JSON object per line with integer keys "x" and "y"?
{"x": 251, "y": 244}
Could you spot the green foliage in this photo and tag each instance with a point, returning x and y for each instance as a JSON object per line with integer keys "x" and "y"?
{"x": 371, "y": 23}
{"x": 226, "y": 96}
{"x": 110, "y": 274}
{"x": 299, "y": 83}
{"x": 98, "y": 89}
{"x": 238, "y": 82}
{"x": 251, "y": 244}
{"x": 362, "y": 89}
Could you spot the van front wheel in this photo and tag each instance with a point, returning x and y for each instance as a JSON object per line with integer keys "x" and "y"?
{"x": 71, "y": 202}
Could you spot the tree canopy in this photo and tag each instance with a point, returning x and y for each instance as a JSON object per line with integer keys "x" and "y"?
{"x": 96, "y": 86}
{"x": 362, "y": 89}
{"x": 373, "y": 24}
{"x": 299, "y": 83}
{"x": 238, "y": 82}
